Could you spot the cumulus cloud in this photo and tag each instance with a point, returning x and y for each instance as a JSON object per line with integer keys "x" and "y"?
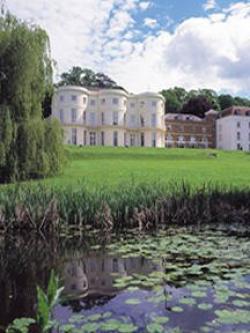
{"x": 210, "y": 52}
{"x": 150, "y": 22}
{"x": 144, "y": 5}
{"x": 209, "y": 4}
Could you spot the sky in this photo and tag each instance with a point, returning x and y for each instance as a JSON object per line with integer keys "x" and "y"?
{"x": 149, "y": 44}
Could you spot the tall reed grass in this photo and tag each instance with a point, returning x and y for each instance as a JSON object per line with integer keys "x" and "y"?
{"x": 145, "y": 206}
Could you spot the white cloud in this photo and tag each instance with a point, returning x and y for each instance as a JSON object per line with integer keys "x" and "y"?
{"x": 150, "y": 22}
{"x": 211, "y": 52}
{"x": 210, "y": 4}
{"x": 144, "y": 5}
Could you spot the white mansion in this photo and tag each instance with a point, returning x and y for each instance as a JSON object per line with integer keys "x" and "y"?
{"x": 110, "y": 117}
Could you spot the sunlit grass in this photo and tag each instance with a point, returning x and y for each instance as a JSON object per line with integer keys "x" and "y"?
{"x": 109, "y": 167}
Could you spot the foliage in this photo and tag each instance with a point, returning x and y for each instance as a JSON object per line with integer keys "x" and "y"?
{"x": 20, "y": 325}
{"x": 46, "y": 302}
{"x": 199, "y": 101}
{"x": 197, "y": 105}
{"x": 87, "y": 78}
{"x": 27, "y": 76}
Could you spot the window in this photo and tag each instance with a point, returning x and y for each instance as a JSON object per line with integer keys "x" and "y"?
{"x": 154, "y": 103}
{"x": 248, "y": 136}
{"x": 142, "y": 121}
{"x": 238, "y": 124}
{"x": 84, "y": 100}
{"x": 132, "y": 120}
{"x": 142, "y": 104}
{"x": 153, "y": 120}
{"x": 115, "y": 101}
{"x": 142, "y": 140}
{"x": 124, "y": 119}
{"x": 92, "y": 138}
{"x": 238, "y": 135}
{"x": 115, "y": 118}
{"x": 125, "y": 139}
{"x": 239, "y": 146}
{"x": 74, "y": 136}
{"x": 102, "y": 138}
{"x": 204, "y": 129}
{"x": 103, "y": 119}
{"x": 61, "y": 116}
{"x": 92, "y": 102}
{"x": 73, "y": 115}
{"x": 61, "y": 98}
{"x": 115, "y": 139}
{"x": 85, "y": 138}
{"x": 84, "y": 117}
{"x": 153, "y": 139}
{"x": 73, "y": 98}
{"x": 92, "y": 119}
{"x": 132, "y": 105}
{"x": 103, "y": 101}
{"x": 132, "y": 140}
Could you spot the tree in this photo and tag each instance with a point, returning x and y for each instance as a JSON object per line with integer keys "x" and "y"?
{"x": 197, "y": 105}
{"x": 241, "y": 101}
{"x": 211, "y": 96}
{"x": 26, "y": 69}
{"x": 225, "y": 101}
{"x": 175, "y": 98}
{"x": 87, "y": 78}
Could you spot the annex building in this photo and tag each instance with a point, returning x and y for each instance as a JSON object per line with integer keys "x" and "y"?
{"x": 233, "y": 129}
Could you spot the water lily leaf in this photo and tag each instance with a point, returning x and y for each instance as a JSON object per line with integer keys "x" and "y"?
{"x": 133, "y": 301}
{"x": 205, "y": 306}
{"x": 155, "y": 328}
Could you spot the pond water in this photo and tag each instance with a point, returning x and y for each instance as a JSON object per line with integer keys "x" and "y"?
{"x": 174, "y": 281}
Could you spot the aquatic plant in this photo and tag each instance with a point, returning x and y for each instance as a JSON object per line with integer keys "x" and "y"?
{"x": 140, "y": 206}
{"x": 45, "y": 304}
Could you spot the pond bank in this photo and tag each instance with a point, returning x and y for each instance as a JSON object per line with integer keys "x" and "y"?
{"x": 142, "y": 206}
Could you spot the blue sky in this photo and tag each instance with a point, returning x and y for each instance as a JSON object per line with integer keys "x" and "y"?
{"x": 150, "y": 44}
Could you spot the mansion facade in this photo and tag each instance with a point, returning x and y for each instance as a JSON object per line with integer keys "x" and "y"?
{"x": 113, "y": 117}
{"x": 110, "y": 117}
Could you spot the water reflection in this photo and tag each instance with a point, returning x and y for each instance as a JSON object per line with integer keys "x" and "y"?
{"x": 95, "y": 274}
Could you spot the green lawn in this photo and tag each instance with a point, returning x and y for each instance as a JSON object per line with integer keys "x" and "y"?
{"x": 98, "y": 166}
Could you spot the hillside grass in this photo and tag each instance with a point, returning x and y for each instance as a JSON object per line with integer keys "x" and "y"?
{"x": 109, "y": 167}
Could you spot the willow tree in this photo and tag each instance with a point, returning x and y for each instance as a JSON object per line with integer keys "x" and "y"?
{"x": 25, "y": 76}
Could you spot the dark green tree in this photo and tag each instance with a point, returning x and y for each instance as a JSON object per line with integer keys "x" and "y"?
{"x": 197, "y": 105}
{"x": 225, "y": 101}
{"x": 87, "y": 78}
{"x": 26, "y": 75}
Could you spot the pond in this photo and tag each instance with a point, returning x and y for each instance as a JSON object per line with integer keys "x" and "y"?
{"x": 179, "y": 280}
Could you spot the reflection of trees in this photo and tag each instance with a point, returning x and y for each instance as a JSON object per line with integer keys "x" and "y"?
{"x": 26, "y": 261}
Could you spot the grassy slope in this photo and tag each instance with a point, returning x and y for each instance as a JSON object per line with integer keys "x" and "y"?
{"x": 111, "y": 166}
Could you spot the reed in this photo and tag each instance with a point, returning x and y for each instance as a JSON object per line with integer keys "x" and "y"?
{"x": 143, "y": 206}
